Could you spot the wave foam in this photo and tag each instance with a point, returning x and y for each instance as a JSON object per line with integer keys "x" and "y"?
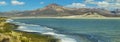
{"x": 9, "y": 20}
{"x": 43, "y": 30}
{"x": 63, "y": 38}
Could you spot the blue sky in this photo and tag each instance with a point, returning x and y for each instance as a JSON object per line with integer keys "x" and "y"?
{"x": 8, "y": 5}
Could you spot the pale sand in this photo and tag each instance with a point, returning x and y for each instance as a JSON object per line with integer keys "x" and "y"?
{"x": 68, "y": 17}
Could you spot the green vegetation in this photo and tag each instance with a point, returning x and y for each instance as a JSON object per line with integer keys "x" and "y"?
{"x": 8, "y": 34}
{"x": 3, "y": 19}
{"x": 6, "y": 27}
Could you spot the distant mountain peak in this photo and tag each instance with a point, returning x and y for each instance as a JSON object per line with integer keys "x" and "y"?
{"x": 53, "y": 5}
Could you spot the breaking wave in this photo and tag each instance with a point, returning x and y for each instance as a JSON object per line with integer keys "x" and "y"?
{"x": 43, "y": 30}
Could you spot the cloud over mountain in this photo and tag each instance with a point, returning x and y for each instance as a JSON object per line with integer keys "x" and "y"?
{"x": 41, "y": 2}
{"x": 34, "y": 4}
{"x": 76, "y": 5}
{"x": 108, "y": 4}
{"x": 15, "y": 2}
{"x": 3, "y": 3}
{"x": 103, "y": 4}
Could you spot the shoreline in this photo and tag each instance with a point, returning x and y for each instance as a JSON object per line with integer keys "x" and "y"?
{"x": 56, "y": 36}
{"x": 9, "y": 34}
{"x": 68, "y": 17}
{"x": 60, "y": 18}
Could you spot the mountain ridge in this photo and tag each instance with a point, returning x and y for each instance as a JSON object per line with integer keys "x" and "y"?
{"x": 57, "y": 10}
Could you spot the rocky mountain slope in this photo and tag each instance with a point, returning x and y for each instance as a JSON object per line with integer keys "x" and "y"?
{"x": 52, "y": 10}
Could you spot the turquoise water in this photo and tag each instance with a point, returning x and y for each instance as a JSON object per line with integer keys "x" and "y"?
{"x": 84, "y": 30}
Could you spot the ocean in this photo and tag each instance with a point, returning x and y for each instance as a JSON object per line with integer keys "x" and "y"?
{"x": 73, "y": 30}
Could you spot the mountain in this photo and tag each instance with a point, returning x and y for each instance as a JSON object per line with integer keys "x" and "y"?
{"x": 116, "y": 12}
{"x": 52, "y": 10}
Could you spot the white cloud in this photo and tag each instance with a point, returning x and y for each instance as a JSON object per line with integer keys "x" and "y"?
{"x": 15, "y": 2}
{"x": 109, "y": 0}
{"x": 41, "y": 2}
{"x": 90, "y": 2}
{"x": 118, "y": 1}
{"x": 116, "y": 5}
{"x": 103, "y": 4}
{"x": 76, "y": 5}
{"x": 108, "y": 5}
{"x": 3, "y": 3}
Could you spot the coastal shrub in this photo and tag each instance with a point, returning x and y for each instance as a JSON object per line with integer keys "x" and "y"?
{"x": 34, "y": 37}
{"x": 24, "y": 39}
{"x": 3, "y": 19}
{"x": 53, "y": 40}
{"x": 8, "y": 27}
{"x": 6, "y": 40}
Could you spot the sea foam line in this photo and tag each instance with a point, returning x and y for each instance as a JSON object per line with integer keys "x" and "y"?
{"x": 46, "y": 31}
{"x": 43, "y": 30}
